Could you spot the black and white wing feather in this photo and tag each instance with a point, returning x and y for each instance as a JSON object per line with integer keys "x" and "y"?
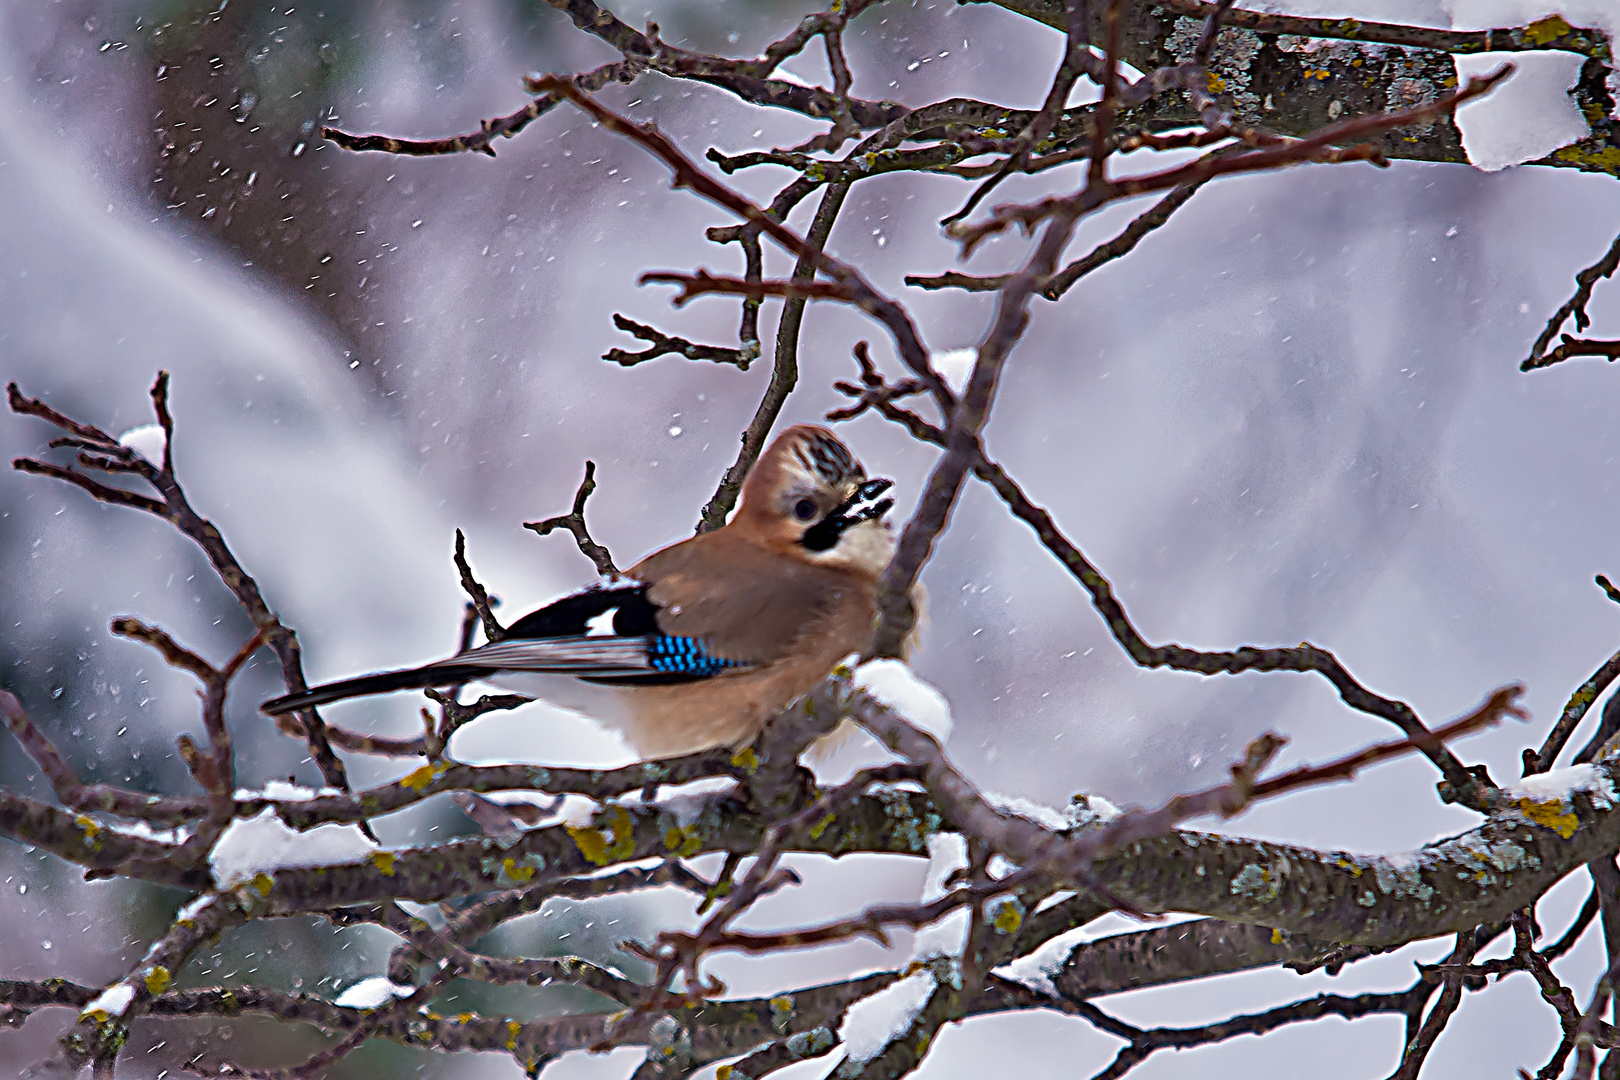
{"x": 603, "y": 634}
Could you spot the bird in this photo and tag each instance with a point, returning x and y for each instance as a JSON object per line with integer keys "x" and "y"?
{"x": 703, "y": 641}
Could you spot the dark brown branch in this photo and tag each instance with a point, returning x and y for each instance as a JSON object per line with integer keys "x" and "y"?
{"x": 784, "y": 370}
{"x": 98, "y": 1034}
{"x": 663, "y": 344}
{"x": 92, "y": 798}
{"x": 175, "y": 508}
{"x": 455, "y": 715}
{"x": 1608, "y": 588}
{"x": 1149, "y": 220}
{"x": 1545, "y": 34}
{"x": 574, "y": 522}
{"x": 1575, "y": 306}
{"x": 1461, "y": 784}
{"x": 1320, "y": 146}
{"x": 702, "y": 283}
{"x": 1608, "y": 727}
{"x": 1588, "y": 1030}
{"x": 1579, "y": 702}
{"x": 1145, "y": 1043}
{"x": 1420, "y": 1038}
{"x": 218, "y": 778}
{"x": 747, "y": 79}
{"x": 481, "y": 603}
{"x": 504, "y": 127}
{"x": 908, "y": 341}
{"x": 1555, "y": 993}
{"x": 1572, "y": 346}
{"x": 1583, "y": 919}
{"x": 96, "y": 490}
{"x": 381, "y": 745}
{"x": 1038, "y": 851}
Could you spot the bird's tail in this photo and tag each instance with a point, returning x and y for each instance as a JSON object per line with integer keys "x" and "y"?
{"x": 381, "y": 683}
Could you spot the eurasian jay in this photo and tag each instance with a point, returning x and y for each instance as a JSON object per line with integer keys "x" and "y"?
{"x": 699, "y": 644}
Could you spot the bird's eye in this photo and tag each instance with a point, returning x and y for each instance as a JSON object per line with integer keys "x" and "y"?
{"x": 804, "y": 509}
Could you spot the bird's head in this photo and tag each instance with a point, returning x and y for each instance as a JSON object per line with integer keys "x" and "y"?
{"x": 808, "y": 497}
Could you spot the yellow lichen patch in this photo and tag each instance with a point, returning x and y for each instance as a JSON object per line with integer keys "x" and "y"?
{"x": 520, "y": 874}
{"x": 1346, "y": 864}
{"x": 158, "y": 979}
{"x": 1552, "y": 814}
{"x": 746, "y": 759}
{"x": 263, "y": 882}
{"x": 513, "y": 1030}
{"x": 821, "y": 826}
{"x": 384, "y": 862}
{"x": 682, "y": 841}
{"x": 1605, "y": 160}
{"x": 602, "y": 846}
{"x": 1276, "y": 937}
{"x": 419, "y": 780}
{"x": 1543, "y": 31}
{"x": 722, "y": 1073}
{"x": 1008, "y": 919}
{"x": 88, "y": 826}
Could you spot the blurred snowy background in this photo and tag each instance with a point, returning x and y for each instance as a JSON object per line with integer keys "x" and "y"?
{"x": 1295, "y": 413}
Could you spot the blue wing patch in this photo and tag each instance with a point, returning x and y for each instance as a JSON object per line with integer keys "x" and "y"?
{"x": 687, "y": 656}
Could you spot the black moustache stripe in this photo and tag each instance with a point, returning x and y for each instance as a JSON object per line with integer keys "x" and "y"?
{"x": 825, "y": 534}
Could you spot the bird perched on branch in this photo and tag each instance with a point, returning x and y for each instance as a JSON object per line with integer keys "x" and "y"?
{"x": 700, "y": 643}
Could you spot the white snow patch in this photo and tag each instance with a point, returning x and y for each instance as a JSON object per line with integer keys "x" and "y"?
{"x": 177, "y": 835}
{"x": 1085, "y": 810}
{"x": 111, "y": 1001}
{"x": 1090, "y": 810}
{"x": 947, "y": 853}
{"x": 789, "y": 77}
{"x": 1045, "y": 816}
{"x": 1601, "y": 15}
{"x": 195, "y": 908}
{"x": 1525, "y": 117}
{"x": 282, "y": 791}
{"x": 263, "y": 844}
{"x": 146, "y": 440}
{"x": 431, "y": 914}
{"x": 577, "y": 811}
{"x": 874, "y": 1022}
{"x": 1036, "y": 970}
{"x": 1559, "y": 784}
{"x": 919, "y": 704}
{"x": 688, "y": 801}
{"x": 955, "y": 366}
{"x": 372, "y": 993}
{"x": 1402, "y": 861}
{"x": 1055, "y": 899}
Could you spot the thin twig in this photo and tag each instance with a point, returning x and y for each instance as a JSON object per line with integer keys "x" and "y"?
{"x": 1146, "y": 222}
{"x": 1422, "y": 1039}
{"x": 663, "y": 344}
{"x": 1463, "y": 785}
{"x": 574, "y": 522}
{"x": 1575, "y": 306}
{"x": 784, "y": 370}
{"x": 1579, "y": 702}
{"x": 174, "y": 507}
{"x": 481, "y": 603}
